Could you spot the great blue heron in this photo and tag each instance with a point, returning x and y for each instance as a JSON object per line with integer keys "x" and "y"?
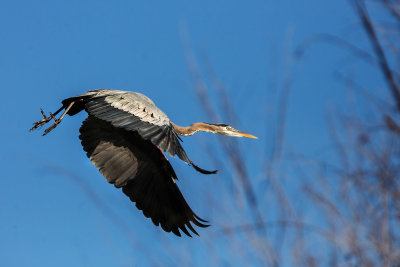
{"x": 124, "y": 136}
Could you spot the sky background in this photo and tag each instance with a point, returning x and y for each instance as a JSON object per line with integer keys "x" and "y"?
{"x": 55, "y": 206}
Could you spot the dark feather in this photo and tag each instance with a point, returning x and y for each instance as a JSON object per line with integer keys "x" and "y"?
{"x": 143, "y": 172}
{"x": 122, "y": 110}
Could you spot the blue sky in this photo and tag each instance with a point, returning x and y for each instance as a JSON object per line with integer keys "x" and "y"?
{"x": 52, "y": 50}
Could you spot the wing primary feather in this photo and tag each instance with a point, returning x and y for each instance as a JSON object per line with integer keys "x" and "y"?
{"x": 176, "y": 231}
{"x": 183, "y": 228}
{"x": 191, "y": 228}
{"x": 200, "y": 219}
{"x": 196, "y": 222}
{"x": 129, "y": 161}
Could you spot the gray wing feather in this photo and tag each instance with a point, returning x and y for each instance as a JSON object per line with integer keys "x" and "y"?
{"x": 135, "y": 112}
{"x": 145, "y": 175}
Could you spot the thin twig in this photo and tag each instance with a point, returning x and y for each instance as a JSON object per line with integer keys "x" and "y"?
{"x": 369, "y": 28}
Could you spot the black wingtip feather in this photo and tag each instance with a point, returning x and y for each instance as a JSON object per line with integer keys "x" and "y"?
{"x": 200, "y": 219}
{"x": 192, "y": 229}
{"x": 199, "y": 224}
{"x": 176, "y": 231}
{"x": 183, "y": 228}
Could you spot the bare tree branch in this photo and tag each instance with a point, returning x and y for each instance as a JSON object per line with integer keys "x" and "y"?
{"x": 369, "y": 28}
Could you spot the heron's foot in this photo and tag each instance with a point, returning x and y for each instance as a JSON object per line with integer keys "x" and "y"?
{"x": 56, "y": 122}
{"x": 52, "y": 116}
{"x": 43, "y": 121}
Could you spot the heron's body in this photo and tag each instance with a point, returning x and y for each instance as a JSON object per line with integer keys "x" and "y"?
{"x": 125, "y": 136}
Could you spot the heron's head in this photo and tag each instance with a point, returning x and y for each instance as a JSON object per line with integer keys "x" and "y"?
{"x": 228, "y": 130}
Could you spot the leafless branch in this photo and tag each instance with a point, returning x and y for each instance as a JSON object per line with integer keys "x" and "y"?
{"x": 370, "y": 30}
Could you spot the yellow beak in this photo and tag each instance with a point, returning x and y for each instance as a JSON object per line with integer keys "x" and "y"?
{"x": 242, "y": 134}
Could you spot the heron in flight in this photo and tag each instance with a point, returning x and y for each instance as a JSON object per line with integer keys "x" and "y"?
{"x": 125, "y": 136}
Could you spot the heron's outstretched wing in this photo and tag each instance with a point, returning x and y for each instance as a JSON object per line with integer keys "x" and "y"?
{"x": 135, "y": 112}
{"x": 143, "y": 172}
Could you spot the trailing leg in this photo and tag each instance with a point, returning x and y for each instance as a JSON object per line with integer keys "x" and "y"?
{"x": 52, "y": 116}
{"x": 45, "y": 119}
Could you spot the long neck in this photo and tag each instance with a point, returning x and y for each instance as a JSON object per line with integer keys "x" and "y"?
{"x": 195, "y": 127}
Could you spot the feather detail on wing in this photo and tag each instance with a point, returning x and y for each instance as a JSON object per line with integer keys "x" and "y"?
{"x": 141, "y": 169}
{"x": 135, "y": 112}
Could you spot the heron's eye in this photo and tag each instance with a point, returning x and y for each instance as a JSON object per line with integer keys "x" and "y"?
{"x": 228, "y": 128}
